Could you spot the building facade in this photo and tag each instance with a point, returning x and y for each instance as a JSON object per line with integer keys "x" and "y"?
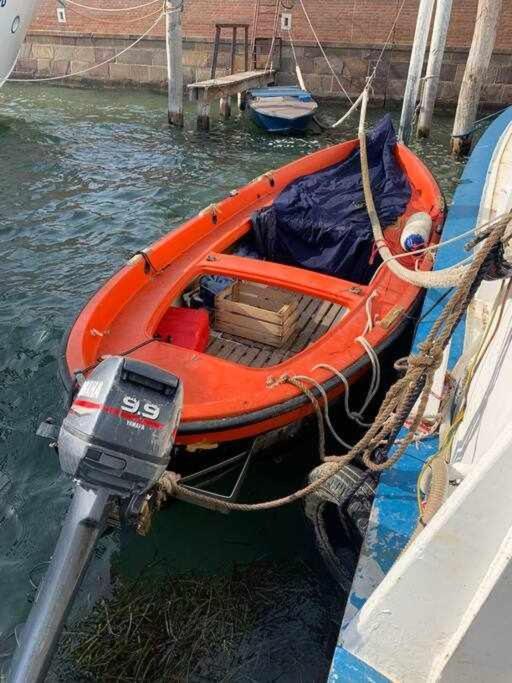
{"x": 68, "y": 37}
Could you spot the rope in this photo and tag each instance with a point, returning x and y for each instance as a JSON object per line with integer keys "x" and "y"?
{"x": 447, "y": 277}
{"x": 115, "y": 22}
{"x": 478, "y": 123}
{"x": 268, "y": 63}
{"x": 399, "y": 400}
{"x": 323, "y": 51}
{"x": 387, "y": 42}
{"x": 90, "y": 68}
{"x": 113, "y": 9}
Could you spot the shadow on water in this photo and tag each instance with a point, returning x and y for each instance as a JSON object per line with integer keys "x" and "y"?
{"x": 87, "y": 178}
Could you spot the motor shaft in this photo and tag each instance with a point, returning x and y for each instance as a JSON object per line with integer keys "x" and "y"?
{"x": 82, "y": 528}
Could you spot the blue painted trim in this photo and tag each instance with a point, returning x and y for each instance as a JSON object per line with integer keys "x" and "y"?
{"x": 346, "y": 668}
{"x": 394, "y": 513}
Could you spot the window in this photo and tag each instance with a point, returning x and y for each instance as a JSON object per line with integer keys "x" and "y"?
{"x": 61, "y": 15}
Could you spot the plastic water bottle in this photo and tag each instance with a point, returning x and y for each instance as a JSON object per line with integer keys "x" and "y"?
{"x": 416, "y": 232}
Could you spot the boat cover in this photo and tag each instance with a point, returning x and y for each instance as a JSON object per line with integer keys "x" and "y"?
{"x": 320, "y": 221}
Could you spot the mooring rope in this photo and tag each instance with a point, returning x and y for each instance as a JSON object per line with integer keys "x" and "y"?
{"x": 398, "y": 403}
{"x": 313, "y": 30}
{"x": 112, "y": 9}
{"x": 371, "y": 77}
{"x": 45, "y": 79}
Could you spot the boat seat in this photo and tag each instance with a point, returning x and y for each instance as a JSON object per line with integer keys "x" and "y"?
{"x": 310, "y": 283}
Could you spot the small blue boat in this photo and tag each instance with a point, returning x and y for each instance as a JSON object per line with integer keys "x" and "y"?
{"x": 286, "y": 109}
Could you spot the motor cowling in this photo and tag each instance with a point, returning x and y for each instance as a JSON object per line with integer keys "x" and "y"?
{"x": 119, "y": 432}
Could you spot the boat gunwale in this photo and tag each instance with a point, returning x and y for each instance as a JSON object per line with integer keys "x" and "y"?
{"x": 260, "y": 190}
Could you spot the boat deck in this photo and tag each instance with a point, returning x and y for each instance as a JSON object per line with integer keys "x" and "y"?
{"x": 316, "y": 317}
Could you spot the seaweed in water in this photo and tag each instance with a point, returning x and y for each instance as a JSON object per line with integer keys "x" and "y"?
{"x": 264, "y": 622}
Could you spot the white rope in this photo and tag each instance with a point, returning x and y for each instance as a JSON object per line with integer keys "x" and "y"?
{"x": 376, "y": 372}
{"x": 91, "y": 68}
{"x": 326, "y": 409}
{"x": 268, "y": 63}
{"x": 323, "y": 51}
{"x": 356, "y": 104}
{"x": 448, "y": 277}
{"x": 113, "y": 9}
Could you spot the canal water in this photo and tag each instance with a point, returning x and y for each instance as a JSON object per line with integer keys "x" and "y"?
{"x": 88, "y": 177}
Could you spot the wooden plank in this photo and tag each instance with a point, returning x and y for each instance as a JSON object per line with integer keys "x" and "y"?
{"x": 279, "y": 328}
{"x": 306, "y": 309}
{"x": 310, "y": 328}
{"x": 216, "y": 88}
{"x": 242, "y": 308}
{"x": 249, "y": 357}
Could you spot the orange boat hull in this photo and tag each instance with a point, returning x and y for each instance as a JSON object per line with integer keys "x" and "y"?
{"x": 225, "y": 401}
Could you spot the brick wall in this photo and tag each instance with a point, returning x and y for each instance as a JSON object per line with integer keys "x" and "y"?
{"x": 358, "y": 22}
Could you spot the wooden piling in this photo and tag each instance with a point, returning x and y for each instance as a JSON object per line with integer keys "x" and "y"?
{"x": 174, "y": 62}
{"x": 415, "y": 68}
{"x": 203, "y": 113}
{"x": 479, "y": 58}
{"x": 435, "y": 62}
{"x": 225, "y": 107}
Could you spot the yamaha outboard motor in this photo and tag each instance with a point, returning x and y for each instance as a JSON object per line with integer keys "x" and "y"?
{"x": 116, "y": 442}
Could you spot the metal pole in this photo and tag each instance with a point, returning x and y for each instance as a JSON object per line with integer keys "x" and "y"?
{"x": 174, "y": 44}
{"x": 435, "y": 62}
{"x": 415, "y": 68}
{"x": 84, "y": 523}
{"x": 479, "y": 58}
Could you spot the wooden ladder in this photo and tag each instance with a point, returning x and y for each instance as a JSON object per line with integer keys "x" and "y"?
{"x": 265, "y": 26}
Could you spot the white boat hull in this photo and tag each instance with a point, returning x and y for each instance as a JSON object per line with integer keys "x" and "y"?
{"x": 15, "y": 19}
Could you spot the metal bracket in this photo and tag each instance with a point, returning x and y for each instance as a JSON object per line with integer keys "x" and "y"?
{"x": 215, "y": 468}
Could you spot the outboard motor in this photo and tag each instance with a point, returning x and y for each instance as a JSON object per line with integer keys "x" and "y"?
{"x": 116, "y": 442}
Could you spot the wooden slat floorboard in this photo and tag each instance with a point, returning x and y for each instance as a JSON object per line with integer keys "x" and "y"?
{"x": 315, "y": 318}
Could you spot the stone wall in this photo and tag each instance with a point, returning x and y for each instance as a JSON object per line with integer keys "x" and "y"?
{"x": 48, "y": 55}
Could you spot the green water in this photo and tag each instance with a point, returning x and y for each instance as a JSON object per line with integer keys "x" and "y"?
{"x": 87, "y": 178}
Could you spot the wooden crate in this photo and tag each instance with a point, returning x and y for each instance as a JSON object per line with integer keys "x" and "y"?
{"x": 257, "y": 312}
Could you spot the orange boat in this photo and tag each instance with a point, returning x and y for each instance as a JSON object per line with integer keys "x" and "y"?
{"x": 271, "y": 319}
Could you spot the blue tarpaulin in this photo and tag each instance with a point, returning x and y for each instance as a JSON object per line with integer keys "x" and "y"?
{"x": 320, "y": 222}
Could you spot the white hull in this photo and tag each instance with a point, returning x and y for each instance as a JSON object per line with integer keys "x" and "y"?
{"x": 15, "y": 18}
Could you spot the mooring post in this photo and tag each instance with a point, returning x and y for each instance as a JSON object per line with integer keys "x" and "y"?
{"x": 479, "y": 58}
{"x": 435, "y": 62}
{"x": 174, "y": 61}
{"x": 225, "y": 107}
{"x": 415, "y": 68}
{"x": 203, "y": 111}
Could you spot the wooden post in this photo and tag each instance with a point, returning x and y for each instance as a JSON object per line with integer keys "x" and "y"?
{"x": 203, "y": 112}
{"x": 435, "y": 62}
{"x": 215, "y": 51}
{"x": 246, "y": 48}
{"x": 415, "y": 68}
{"x": 174, "y": 62}
{"x": 225, "y": 107}
{"x": 479, "y": 58}
{"x": 233, "y": 51}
